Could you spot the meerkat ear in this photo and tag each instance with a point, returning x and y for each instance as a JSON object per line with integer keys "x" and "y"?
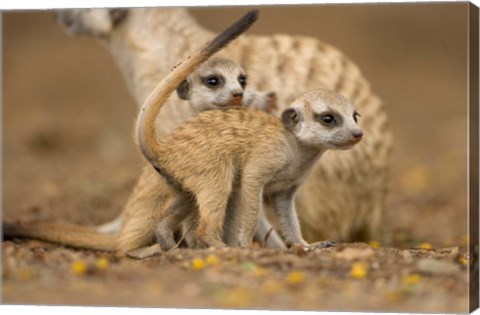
{"x": 290, "y": 118}
{"x": 183, "y": 90}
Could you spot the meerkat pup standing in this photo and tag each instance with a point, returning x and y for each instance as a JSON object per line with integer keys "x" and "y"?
{"x": 237, "y": 156}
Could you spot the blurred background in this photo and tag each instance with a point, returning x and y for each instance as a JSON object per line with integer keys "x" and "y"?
{"x": 68, "y": 117}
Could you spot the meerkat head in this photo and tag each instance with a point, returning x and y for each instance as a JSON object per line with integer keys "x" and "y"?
{"x": 323, "y": 118}
{"x": 216, "y": 84}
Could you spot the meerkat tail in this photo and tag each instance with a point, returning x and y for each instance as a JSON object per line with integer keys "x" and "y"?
{"x": 145, "y": 126}
{"x": 72, "y": 235}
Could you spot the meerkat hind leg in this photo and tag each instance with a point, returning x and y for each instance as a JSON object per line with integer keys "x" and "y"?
{"x": 176, "y": 212}
{"x": 248, "y": 208}
{"x": 211, "y": 209}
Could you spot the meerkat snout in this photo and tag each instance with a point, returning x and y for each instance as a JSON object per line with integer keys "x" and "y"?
{"x": 237, "y": 94}
{"x": 357, "y": 134}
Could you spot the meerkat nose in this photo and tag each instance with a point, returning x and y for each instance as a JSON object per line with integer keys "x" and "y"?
{"x": 237, "y": 94}
{"x": 357, "y": 134}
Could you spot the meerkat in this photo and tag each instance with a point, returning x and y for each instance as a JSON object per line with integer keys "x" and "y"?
{"x": 237, "y": 156}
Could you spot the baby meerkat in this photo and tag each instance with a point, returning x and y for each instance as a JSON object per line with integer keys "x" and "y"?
{"x": 221, "y": 83}
{"x": 237, "y": 156}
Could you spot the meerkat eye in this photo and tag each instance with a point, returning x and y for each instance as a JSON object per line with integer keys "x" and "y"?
{"x": 328, "y": 119}
{"x": 242, "y": 79}
{"x": 355, "y": 116}
{"x": 212, "y": 81}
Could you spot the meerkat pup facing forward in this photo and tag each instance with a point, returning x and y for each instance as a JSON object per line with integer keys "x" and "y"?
{"x": 221, "y": 83}
{"x": 236, "y": 156}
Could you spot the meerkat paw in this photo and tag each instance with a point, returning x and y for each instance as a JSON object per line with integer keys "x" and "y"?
{"x": 323, "y": 244}
{"x": 313, "y": 246}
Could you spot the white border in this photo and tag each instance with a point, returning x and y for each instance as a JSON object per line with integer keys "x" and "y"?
{"x": 54, "y": 4}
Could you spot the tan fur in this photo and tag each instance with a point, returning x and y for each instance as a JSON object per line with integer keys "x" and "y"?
{"x": 344, "y": 197}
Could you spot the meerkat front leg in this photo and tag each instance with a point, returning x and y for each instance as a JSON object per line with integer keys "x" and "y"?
{"x": 284, "y": 207}
{"x": 265, "y": 228}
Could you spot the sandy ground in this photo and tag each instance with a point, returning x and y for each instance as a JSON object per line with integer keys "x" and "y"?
{"x": 68, "y": 155}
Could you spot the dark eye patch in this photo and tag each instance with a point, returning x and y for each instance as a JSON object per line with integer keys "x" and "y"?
{"x": 242, "y": 79}
{"x": 213, "y": 81}
{"x": 328, "y": 119}
{"x": 355, "y": 117}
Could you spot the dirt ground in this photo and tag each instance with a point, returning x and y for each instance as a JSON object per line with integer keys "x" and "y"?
{"x": 68, "y": 155}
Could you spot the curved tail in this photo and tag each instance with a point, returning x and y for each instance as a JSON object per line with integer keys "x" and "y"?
{"x": 68, "y": 234}
{"x": 145, "y": 126}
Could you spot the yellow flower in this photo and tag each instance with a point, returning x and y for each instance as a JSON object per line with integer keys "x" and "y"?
{"x": 414, "y": 278}
{"x": 79, "y": 267}
{"x": 198, "y": 264}
{"x": 425, "y": 246}
{"x": 358, "y": 271}
{"x": 295, "y": 277}
{"x": 375, "y": 244}
{"x": 213, "y": 260}
{"x": 102, "y": 263}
